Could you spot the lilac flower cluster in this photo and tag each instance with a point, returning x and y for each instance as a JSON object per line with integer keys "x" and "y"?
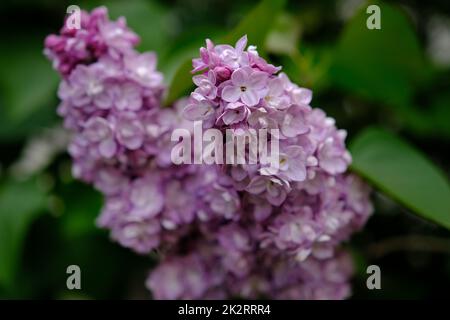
{"x": 201, "y": 274}
{"x": 96, "y": 37}
{"x": 286, "y": 252}
{"x": 222, "y": 231}
{"x": 121, "y": 138}
{"x": 283, "y": 244}
{"x": 239, "y": 90}
{"x": 308, "y": 204}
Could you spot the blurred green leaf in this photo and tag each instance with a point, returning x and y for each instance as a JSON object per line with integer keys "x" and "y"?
{"x": 428, "y": 120}
{"x": 284, "y": 35}
{"x": 27, "y": 86}
{"x": 79, "y": 216}
{"x": 309, "y": 68}
{"x": 27, "y": 79}
{"x": 256, "y": 25}
{"x": 20, "y": 202}
{"x": 403, "y": 173}
{"x": 383, "y": 65}
{"x": 181, "y": 82}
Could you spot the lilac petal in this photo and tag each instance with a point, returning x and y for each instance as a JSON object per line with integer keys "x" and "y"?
{"x": 256, "y": 185}
{"x": 103, "y": 100}
{"x": 241, "y": 44}
{"x": 209, "y": 45}
{"x": 302, "y": 95}
{"x": 258, "y": 80}
{"x": 230, "y": 116}
{"x": 80, "y": 101}
{"x": 130, "y": 133}
{"x": 133, "y": 143}
{"x": 231, "y": 93}
{"x": 297, "y": 170}
{"x": 197, "y": 111}
{"x": 333, "y": 165}
{"x": 250, "y": 97}
{"x": 238, "y": 173}
{"x": 212, "y": 77}
{"x": 293, "y": 151}
{"x": 146, "y": 199}
{"x": 293, "y": 126}
{"x": 276, "y": 87}
{"x": 198, "y": 79}
{"x": 277, "y": 199}
{"x": 107, "y": 148}
{"x": 269, "y": 171}
{"x": 96, "y": 129}
{"x": 240, "y": 77}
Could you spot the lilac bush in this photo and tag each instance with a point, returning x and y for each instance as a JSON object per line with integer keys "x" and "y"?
{"x": 221, "y": 231}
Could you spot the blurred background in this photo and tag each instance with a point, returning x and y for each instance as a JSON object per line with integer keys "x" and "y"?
{"x": 397, "y": 78}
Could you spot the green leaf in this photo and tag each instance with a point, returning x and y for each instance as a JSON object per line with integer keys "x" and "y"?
{"x": 256, "y": 25}
{"x": 78, "y": 219}
{"x": 27, "y": 87}
{"x": 309, "y": 68}
{"x": 403, "y": 173}
{"x": 382, "y": 65}
{"x": 20, "y": 202}
{"x": 26, "y": 78}
{"x": 181, "y": 82}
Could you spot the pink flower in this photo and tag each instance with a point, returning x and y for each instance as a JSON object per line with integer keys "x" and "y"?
{"x": 206, "y": 85}
{"x": 292, "y": 165}
{"x": 126, "y": 96}
{"x": 142, "y": 69}
{"x": 332, "y": 155}
{"x": 293, "y": 121}
{"x": 110, "y": 181}
{"x": 138, "y": 234}
{"x": 200, "y": 109}
{"x": 222, "y": 201}
{"x": 117, "y": 36}
{"x": 97, "y": 38}
{"x": 275, "y": 98}
{"x": 130, "y": 131}
{"x": 233, "y": 237}
{"x": 98, "y": 130}
{"x": 180, "y": 206}
{"x": 146, "y": 197}
{"x": 235, "y": 112}
{"x": 222, "y": 73}
{"x": 233, "y": 57}
{"x": 86, "y": 85}
{"x": 262, "y": 119}
{"x": 274, "y": 189}
{"x": 247, "y": 85}
{"x": 298, "y": 95}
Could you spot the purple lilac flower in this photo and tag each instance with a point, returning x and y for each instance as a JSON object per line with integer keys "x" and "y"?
{"x": 97, "y": 37}
{"x": 204, "y": 273}
{"x": 193, "y": 276}
{"x": 231, "y": 231}
{"x": 246, "y": 85}
{"x": 251, "y": 95}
